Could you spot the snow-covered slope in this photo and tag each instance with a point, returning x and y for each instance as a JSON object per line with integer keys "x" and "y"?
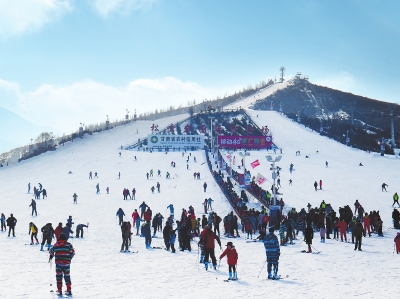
{"x": 265, "y": 92}
{"x": 99, "y": 270}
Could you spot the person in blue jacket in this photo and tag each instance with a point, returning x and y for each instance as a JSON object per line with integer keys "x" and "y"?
{"x": 273, "y": 252}
{"x": 120, "y": 214}
{"x": 67, "y": 230}
{"x": 143, "y": 207}
{"x": 171, "y": 210}
{"x": 172, "y": 238}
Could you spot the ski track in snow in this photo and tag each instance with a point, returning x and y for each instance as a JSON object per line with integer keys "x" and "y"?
{"x": 99, "y": 270}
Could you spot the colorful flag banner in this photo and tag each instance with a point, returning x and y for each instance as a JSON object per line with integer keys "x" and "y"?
{"x": 255, "y": 164}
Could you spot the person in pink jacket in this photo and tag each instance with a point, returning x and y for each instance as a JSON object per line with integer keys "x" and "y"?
{"x": 397, "y": 242}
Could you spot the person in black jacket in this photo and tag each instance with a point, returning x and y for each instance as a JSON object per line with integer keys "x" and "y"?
{"x": 358, "y": 233}
{"x": 125, "y": 236}
{"x": 33, "y": 205}
{"x": 11, "y": 223}
{"x": 166, "y": 235}
{"x": 48, "y": 235}
{"x": 309, "y": 235}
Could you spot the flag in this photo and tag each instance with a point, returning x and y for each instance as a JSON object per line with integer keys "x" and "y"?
{"x": 260, "y": 179}
{"x": 228, "y": 157}
{"x": 255, "y": 163}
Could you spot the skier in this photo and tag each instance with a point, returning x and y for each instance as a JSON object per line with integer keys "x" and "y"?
{"x": 90, "y": 175}
{"x": 40, "y": 186}
{"x": 320, "y": 184}
{"x": 120, "y": 214}
{"x": 152, "y": 189}
{"x": 66, "y": 231}
{"x": 326, "y": 164}
{"x": 44, "y": 193}
{"x": 290, "y": 182}
{"x": 79, "y": 230}
{"x": 75, "y": 197}
{"x": 171, "y": 211}
{"x": 133, "y": 193}
{"x": 119, "y": 173}
{"x": 58, "y": 231}
{"x": 135, "y": 215}
{"x": 384, "y": 185}
{"x": 3, "y": 222}
{"x": 97, "y": 188}
{"x": 159, "y": 172}
{"x": 48, "y": 233}
{"x": 147, "y": 234}
{"x": 356, "y": 206}
{"x": 207, "y": 238}
{"x": 95, "y": 175}
{"x": 33, "y": 229}
{"x": 210, "y": 200}
{"x": 172, "y": 238}
{"x": 396, "y": 199}
{"x": 69, "y": 221}
{"x": 358, "y": 233}
{"x": 151, "y": 172}
{"x": 33, "y": 205}
{"x": 108, "y": 190}
{"x": 166, "y": 235}
{"x": 232, "y": 258}
{"x": 309, "y": 235}
{"x": 273, "y": 252}
{"x": 205, "y": 205}
{"x": 397, "y": 242}
{"x": 11, "y": 223}
{"x": 143, "y": 207}
{"x": 29, "y": 187}
{"x": 205, "y": 186}
{"x": 315, "y": 185}
{"x": 158, "y": 187}
{"x": 125, "y": 236}
{"x": 63, "y": 252}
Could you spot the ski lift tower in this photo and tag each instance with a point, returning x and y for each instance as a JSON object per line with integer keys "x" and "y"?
{"x": 273, "y": 161}
{"x": 107, "y": 123}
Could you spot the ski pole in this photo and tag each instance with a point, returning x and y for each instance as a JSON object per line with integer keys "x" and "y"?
{"x": 261, "y": 269}
{"x": 219, "y": 263}
{"x": 198, "y": 256}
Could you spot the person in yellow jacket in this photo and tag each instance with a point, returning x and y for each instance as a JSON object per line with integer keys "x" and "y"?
{"x": 33, "y": 231}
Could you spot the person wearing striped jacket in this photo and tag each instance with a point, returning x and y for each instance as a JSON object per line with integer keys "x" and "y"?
{"x": 63, "y": 253}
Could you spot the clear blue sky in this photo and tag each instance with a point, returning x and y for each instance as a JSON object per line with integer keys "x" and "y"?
{"x": 53, "y": 51}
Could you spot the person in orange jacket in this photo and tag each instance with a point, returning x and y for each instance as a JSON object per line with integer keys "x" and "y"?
{"x": 232, "y": 258}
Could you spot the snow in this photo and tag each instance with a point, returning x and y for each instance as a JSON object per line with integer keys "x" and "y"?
{"x": 99, "y": 270}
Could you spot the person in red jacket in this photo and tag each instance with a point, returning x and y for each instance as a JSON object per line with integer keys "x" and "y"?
{"x": 207, "y": 238}
{"x": 342, "y": 225}
{"x": 367, "y": 223}
{"x": 135, "y": 215}
{"x": 58, "y": 231}
{"x": 147, "y": 215}
{"x": 232, "y": 258}
{"x": 397, "y": 242}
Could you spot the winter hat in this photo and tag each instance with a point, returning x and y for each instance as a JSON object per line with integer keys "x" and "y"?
{"x": 271, "y": 229}
{"x": 229, "y": 244}
{"x": 63, "y": 236}
{"x": 398, "y": 234}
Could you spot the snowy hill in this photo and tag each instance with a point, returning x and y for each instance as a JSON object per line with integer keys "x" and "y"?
{"x": 99, "y": 270}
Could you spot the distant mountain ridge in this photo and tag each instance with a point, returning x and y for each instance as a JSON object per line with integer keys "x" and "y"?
{"x": 16, "y": 131}
{"x": 334, "y": 112}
